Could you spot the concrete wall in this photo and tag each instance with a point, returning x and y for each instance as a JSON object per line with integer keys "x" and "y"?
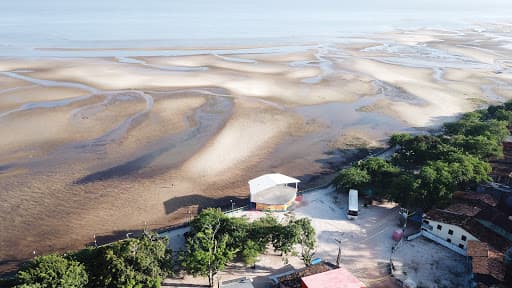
{"x": 450, "y": 236}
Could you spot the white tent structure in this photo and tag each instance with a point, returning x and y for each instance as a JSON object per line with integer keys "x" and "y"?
{"x": 271, "y": 191}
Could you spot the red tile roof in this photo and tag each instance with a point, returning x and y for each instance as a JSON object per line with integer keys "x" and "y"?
{"x": 477, "y": 248}
{"x": 487, "y": 261}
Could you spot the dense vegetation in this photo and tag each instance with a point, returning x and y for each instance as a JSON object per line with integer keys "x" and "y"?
{"x": 427, "y": 169}
{"x": 216, "y": 239}
{"x": 137, "y": 262}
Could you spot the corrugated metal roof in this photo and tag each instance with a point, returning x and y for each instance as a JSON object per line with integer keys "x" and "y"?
{"x": 269, "y": 180}
{"x": 237, "y": 283}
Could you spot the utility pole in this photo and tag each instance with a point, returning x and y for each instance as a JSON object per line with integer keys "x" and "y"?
{"x": 339, "y": 241}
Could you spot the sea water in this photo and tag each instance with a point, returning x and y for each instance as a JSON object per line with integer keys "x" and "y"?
{"x": 102, "y": 27}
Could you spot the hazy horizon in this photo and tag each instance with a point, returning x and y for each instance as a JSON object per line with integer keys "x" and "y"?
{"x": 28, "y": 24}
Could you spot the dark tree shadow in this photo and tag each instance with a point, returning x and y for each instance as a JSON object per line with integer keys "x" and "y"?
{"x": 174, "y": 204}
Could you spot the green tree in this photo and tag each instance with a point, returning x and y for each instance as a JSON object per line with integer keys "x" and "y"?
{"x": 207, "y": 251}
{"x": 352, "y": 177}
{"x": 436, "y": 184}
{"x": 134, "y": 262}
{"x": 52, "y": 271}
{"x": 399, "y": 139}
{"x": 381, "y": 173}
{"x": 402, "y": 190}
{"x": 472, "y": 126}
{"x": 478, "y": 146}
{"x": 306, "y": 239}
{"x": 250, "y": 252}
{"x": 417, "y": 151}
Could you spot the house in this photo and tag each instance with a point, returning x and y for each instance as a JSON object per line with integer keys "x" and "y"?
{"x": 487, "y": 265}
{"x": 446, "y": 228}
{"x": 471, "y": 216}
{"x": 320, "y": 275}
{"x": 502, "y": 194}
{"x": 272, "y": 192}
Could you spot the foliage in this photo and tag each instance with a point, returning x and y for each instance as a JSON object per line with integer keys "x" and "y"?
{"x": 471, "y": 125}
{"x": 418, "y": 150}
{"x": 381, "y": 173}
{"x": 429, "y": 168}
{"x": 307, "y": 239}
{"x": 207, "y": 252}
{"x": 352, "y": 177}
{"x": 216, "y": 239}
{"x": 135, "y": 262}
{"x": 52, "y": 271}
{"x": 479, "y": 146}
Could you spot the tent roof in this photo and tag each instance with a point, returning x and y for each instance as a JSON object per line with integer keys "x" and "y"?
{"x": 269, "y": 180}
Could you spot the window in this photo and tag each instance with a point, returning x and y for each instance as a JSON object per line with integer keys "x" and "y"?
{"x": 463, "y": 237}
{"x": 461, "y": 246}
{"x": 426, "y": 222}
{"x": 449, "y": 240}
{"x": 450, "y": 232}
{"x": 439, "y": 227}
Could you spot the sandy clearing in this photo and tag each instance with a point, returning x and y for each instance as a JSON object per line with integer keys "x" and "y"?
{"x": 366, "y": 243}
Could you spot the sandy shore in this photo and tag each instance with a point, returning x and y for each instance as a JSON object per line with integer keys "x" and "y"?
{"x": 104, "y": 146}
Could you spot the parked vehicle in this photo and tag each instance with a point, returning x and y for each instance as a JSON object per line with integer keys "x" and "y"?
{"x": 353, "y": 204}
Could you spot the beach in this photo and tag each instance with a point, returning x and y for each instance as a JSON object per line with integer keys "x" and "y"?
{"x": 98, "y": 147}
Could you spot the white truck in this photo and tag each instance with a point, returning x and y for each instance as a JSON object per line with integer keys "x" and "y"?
{"x": 353, "y": 204}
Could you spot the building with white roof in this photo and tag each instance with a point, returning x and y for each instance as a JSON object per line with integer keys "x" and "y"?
{"x": 275, "y": 192}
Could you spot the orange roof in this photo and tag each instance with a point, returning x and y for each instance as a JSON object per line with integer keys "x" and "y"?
{"x": 477, "y": 249}
{"x": 337, "y": 278}
{"x": 485, "y": 260}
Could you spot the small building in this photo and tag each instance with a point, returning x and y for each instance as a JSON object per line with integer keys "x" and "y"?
{"x": 471, "y": 216}
{"x": 446, "y": 229}
{"x": 320, "y": 275}
{"x": 487, "y": 265}
{"x": 237, "y": 283}
{"x": 337, "y": 278}
{"x": 273, "y": 192}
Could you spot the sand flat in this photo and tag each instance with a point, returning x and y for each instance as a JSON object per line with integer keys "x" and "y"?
{"x": 166, "y": 140}
{"x": 247, "y": 136}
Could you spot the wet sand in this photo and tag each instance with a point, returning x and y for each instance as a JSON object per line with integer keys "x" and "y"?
{"x": 105, "y": 146}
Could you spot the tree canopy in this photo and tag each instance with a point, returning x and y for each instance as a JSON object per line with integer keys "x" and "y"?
{"x": 134, "y": 262}
{"x": 216, "y": 239}
{"x": 52, "y": 271}
{"x": 427, "y": 169}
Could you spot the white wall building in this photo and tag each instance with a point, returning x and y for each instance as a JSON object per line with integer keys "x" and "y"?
{"x": 448, "y": 235}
